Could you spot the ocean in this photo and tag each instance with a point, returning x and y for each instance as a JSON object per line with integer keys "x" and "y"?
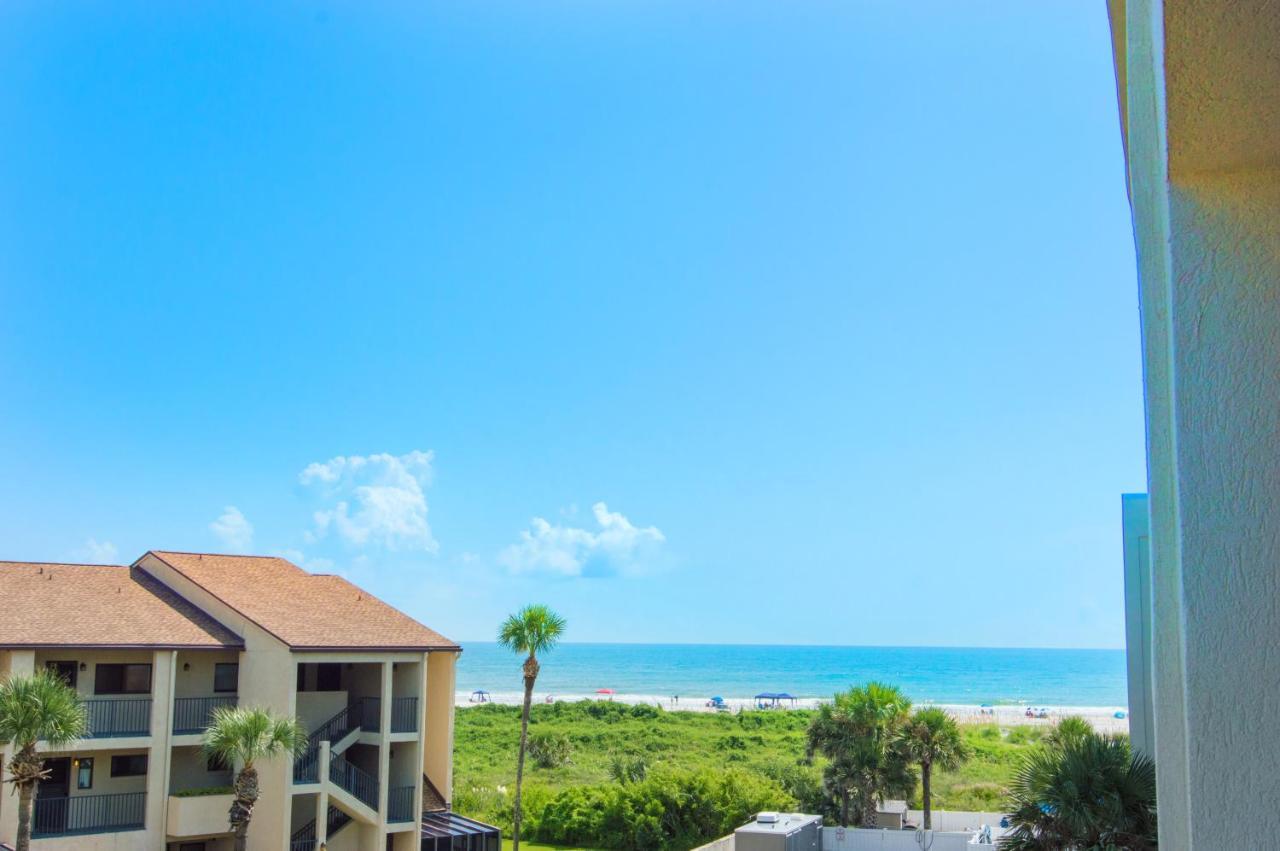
{"x": 999, "y": 676}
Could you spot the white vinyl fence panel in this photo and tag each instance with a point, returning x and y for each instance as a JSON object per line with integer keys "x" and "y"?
{"x": 863, "y": 839}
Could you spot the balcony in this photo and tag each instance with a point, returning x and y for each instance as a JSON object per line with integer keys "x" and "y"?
{"x": 194, "y": 714}
{"x": 116, "y": 717}
{"x": 400, "y": 808}
{"x": 198, "y": 815}
{"x": 404, "y": 714}
{"x": 88, "y": 814}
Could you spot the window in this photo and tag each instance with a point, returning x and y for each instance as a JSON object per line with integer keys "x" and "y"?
{"x": 216, "y": 763}
{"x": 129, "y": 765}
{"x": 122, "y": 679}
{"x": 66, "y": 671}
{"x": 329, "y": 676}
{"x": 226, "y": 676}
{"x": 302, "y": 677}
{"x": 84, "y": 772}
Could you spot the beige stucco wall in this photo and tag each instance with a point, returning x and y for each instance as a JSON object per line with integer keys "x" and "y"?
{"x": 267, "y": 679}
{"x": 1199, "y": 85}
{"x": 437, "y": 758}
{"x": 198, "y": 682}
{"x": 188, "y": 769}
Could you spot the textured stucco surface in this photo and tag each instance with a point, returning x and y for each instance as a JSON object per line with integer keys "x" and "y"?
{"x": 1222, "y": 66}
{"x": 1200, "y": 84}
{"x": 1226, "y": 255}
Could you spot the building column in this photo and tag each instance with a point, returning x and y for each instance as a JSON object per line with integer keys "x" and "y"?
{"x": 164, "y": 674}
{"x": 384, "y": 746}
{"x": 1198, "y": 87}
{"x": 322, "y": 799}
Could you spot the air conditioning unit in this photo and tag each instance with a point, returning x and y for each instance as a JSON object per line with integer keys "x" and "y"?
{"x": 780, "y": 832}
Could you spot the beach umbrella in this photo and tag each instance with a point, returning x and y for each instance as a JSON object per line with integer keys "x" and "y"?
{"x": 604, "y": 691}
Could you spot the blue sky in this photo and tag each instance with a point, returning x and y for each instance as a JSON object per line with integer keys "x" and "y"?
{"x": 717, "y": 322}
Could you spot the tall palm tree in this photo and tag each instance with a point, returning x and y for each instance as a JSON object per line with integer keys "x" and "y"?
{"x": 859, "y": 734}
{"x": 931, "y": 738}
{"x": 37, "y": 707}
{"x": 530, "y": 631}
{"x": 1089, "y": 791}
{"x": 244, "y": 736}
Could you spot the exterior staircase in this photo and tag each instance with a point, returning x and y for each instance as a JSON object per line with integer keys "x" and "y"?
{"x": 354, "y": 790}
{"x": 304, "y": 838}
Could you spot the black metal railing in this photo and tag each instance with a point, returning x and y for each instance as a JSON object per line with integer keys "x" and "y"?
{"x": 369, "y": 710}
{"x": 304, "y": 838}
{"x": 89, "y": 814}
{"x": 306, "y": 768}
{"x": 404, "y": 715}
{"x": 400, "y": 804}
{"x": 124, "y": 716}
{"x": 194, "y": 714}
{"x": 362, "y": 785}
{"x": 337, "y": 820}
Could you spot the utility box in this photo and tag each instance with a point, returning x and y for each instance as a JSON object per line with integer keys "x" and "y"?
{"x": 780, "y": 832}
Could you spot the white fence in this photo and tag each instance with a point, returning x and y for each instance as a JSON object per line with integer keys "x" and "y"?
{"x": 863, "y": 839}
{"x": 958, "y": 820}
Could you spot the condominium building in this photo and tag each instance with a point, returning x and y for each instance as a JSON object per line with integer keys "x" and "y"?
{"x": 154, "y": 647}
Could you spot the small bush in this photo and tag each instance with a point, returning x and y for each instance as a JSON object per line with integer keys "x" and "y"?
{"x": 549, "y": 750}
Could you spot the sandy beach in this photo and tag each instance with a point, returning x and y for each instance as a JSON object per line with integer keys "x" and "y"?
{"x": 1101, "y": 717}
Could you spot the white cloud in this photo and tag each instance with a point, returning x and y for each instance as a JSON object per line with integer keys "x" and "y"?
{"x": 616, "y": 546}
{"x": 233, "y": 529}
{"x": 374, "y": 499}
{"x": 97, "y": 552}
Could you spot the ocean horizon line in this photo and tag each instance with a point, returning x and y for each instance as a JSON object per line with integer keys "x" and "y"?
{"x": 491, "y": 642}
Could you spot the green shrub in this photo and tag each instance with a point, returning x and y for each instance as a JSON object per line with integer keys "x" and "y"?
{"x": 549, "y": 750}
{"x": 667, "y": 811}
{"x": 200, "y": 793}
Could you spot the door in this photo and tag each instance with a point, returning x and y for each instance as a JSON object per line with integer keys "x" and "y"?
{"x": 52, "y": 797}
{"x": 65, "y": 670}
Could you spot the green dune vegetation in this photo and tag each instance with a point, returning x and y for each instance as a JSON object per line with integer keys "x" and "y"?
{"x": 609, "y": 775}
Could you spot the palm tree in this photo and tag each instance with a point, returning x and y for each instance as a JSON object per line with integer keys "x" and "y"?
{"x": 1073, "y": 728}
{"x": 1090, "y": 791}
{"x": 36, "y": 707}
{"x": 859, "y": 734}
{"x": 243, "y": 736}
{"x": 532, "y": 630}
{"x": 932, "y": 739}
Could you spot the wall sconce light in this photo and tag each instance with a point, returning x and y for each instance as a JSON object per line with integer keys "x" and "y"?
{"x": 186, "y": 666}
{"x": 83, "y": 666}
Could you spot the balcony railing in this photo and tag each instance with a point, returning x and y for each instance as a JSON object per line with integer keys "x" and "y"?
{"x": 404, "y": 714}
{"x": 88, "y": 814}
{"x": 194, "y": 714}
{"x": 400, "y": 804}
{"x": 123, "y": 716}
{"x": 362, "y": 785}
{"x": 369, "y": 711}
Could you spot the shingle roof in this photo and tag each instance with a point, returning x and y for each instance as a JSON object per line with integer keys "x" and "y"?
{"x": 94, "y": 605}
{"x": 304, "y": 610}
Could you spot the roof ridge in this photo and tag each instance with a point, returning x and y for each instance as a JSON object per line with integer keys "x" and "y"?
{"x": 219, "y": 555}
{"x": 62, "y": 563}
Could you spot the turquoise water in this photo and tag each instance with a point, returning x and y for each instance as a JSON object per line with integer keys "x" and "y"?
{"x": 698, "y": 671}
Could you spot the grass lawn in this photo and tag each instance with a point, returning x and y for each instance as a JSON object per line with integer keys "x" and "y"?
{"x": 534, "y": 846}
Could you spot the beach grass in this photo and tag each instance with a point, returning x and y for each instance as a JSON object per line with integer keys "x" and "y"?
{"x": 771, "y": 744}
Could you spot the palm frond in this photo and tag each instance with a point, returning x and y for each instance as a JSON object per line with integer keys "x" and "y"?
{"x": 40, "y": 707}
